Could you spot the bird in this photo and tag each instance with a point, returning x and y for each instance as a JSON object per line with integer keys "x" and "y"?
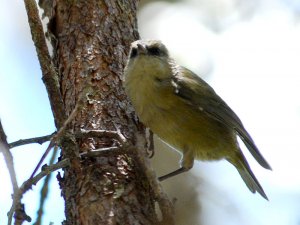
{"x": 185, "y": 112}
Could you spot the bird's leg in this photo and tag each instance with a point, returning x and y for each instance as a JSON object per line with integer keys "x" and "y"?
{"x": 174, "y": 173}
{"x": 186, "y": 164}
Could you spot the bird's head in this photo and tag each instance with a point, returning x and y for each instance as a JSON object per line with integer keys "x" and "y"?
{"x": 149, "y": 58}
{"x": 148, "y": 48}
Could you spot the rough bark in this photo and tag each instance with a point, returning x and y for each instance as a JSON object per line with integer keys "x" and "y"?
{"x": 92, "y": 40}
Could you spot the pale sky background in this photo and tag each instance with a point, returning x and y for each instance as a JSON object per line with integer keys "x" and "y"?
{"x": 248, "y": 51}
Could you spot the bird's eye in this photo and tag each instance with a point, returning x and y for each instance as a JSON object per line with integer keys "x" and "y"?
{"x": 154, "y": 51}
{"x": 133, "y": 53}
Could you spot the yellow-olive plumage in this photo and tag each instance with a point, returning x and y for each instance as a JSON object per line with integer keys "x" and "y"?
{"x": 184, "y": 111}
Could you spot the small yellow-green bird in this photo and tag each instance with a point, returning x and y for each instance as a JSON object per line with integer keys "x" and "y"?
{"x": 185, "y": 112}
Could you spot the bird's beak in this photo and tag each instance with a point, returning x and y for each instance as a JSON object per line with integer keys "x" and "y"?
{"x": 141, "y": 49}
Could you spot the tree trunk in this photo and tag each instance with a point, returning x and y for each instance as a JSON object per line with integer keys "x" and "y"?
{"x": 92, "y": 40}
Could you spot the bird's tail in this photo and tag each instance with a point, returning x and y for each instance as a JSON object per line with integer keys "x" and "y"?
{"x": 247, "y": 175}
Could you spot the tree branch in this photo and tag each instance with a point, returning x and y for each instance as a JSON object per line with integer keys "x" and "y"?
{"x": 38, "y": 140}
{"x": 46, "y": 170}
{"x": 4, "y": 148}
{"x": 50, "y": 146}
{"x": 50, "y": 76}
{"x": 44, "y": 190}
{"x": 20, "y": 214}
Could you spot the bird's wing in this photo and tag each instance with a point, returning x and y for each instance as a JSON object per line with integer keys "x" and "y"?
{"x": 195, "y": 91}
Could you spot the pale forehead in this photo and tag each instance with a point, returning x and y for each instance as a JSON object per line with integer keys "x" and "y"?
{"x": 148, "y": 43}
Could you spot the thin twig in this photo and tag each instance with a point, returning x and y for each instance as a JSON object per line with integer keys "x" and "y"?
{"x": 55, "y": 139}
{"x": 70, "y": 118}
{"x": 4, "y": 147}
{"x": 20, "y": 214}
{"x": 50, "y": 76}
{"x": 38, "y": 140}
{"x": 33, "y": 181}
{"x": 50, "y": 146}
{"x": 46, "y": 170}
{"x": 44, "y": 190}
